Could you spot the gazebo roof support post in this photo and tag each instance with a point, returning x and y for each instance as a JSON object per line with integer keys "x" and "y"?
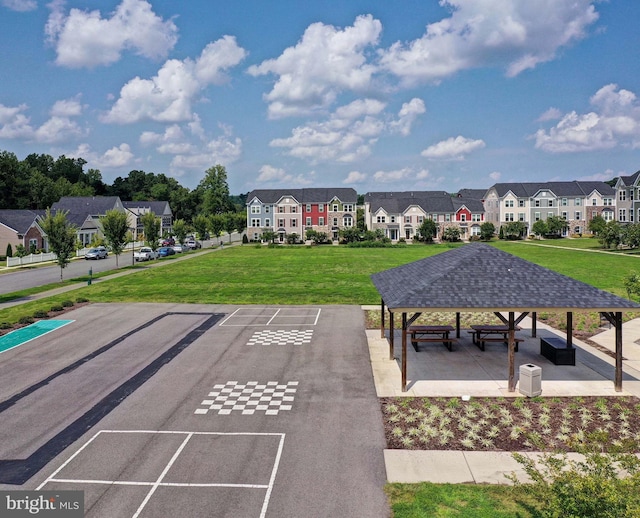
{"x": 381, "y": 318}
{"x": 404, "y": 352}
{"x": 457, "y": 324}
{"x": 534, "y": 323}
{"x": 618, "y": 378}
{"x": 569, "y": 329}
{"x": 512, "y": 353}
{"x": 392, "y": 333}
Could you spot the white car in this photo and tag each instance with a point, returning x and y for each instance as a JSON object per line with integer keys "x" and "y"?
{"x": 178, "y": 249}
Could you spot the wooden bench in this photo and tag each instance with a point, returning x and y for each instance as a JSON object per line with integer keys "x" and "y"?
{"x": 480, "y": 342}
{"x": 431, "y": 334}
{"x": 555, "y": 350}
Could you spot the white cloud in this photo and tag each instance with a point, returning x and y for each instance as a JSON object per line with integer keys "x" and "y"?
{"x": 275, "y": 175}
{"x": 454, "y": 148}
{"x": 550, "y": 115}
{"x": 599, "y": 177}
{"x": 325, "y": 62}
{"x": 495, "y": 176}
{"x": 117, "y": 156}
{"x": 346, "y": 136}
{"x": 614, "y": 121}
{"x": 20, "y": 5}
{"x": 86, "y": 39}
{"x": 355, "y": 177}
{"x": 515, "y": 35}
{"x": 13, "y": 123}
{"x": 67, "y": 108}
{"x": 168, "y": 96}
{"x": 407, "y": 116}
{"x": 58, "y": 129}
{"x": 392, "y": 176}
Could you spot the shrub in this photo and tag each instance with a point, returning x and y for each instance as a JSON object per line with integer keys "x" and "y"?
{"x": 25, "y": 320}
{"x": 590, "y": 487}
{"x": 245, "y": 239}
{"x": 57, "y": 307}
{"x": 40, "y": 314}
{"x": 67, "y": 303}
{"x": 5, "y": 325}
{"x": 80, "y": 300}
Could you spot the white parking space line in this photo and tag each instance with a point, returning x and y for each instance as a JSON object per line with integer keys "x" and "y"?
{"x": 159, "y": 482}
{"x": 253, "y": 317}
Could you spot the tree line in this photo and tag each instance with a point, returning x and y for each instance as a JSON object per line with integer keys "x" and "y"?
{"x": 38, "y": 181}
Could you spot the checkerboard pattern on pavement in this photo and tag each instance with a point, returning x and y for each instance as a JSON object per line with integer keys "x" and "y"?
{"x": 281, "y": 337}
{"x": 249, "y": 398}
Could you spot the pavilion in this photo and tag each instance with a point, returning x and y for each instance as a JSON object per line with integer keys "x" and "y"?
{"x": 481, "y": 278}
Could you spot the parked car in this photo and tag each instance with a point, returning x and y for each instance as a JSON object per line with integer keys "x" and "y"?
{"x": 96, "y": 253}
{"x": 178, "y": 249}
{"x": 168, "y": 242}
{"x": 193, "y": 244}
{"x": 165, "y": 251}
{"x": 145, "y": 254}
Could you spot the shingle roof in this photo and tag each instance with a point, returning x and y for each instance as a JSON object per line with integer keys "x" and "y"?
{"x": 479, "y": 277}
{"x": 312, "y": 195}
{"x": 79, "y": 207}
{"x": 399, "y": 202}
{"x": 157, "y": 207}
{"x": 575, "y": 188}
{"x": 19, "y": 220}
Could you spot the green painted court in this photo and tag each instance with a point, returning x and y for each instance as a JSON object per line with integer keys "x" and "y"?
{"x": 26, "y": 334}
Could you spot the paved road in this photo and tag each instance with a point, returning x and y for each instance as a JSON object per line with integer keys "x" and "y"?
{"x": 43, "y": 275}
{"x": 198, "y": 410}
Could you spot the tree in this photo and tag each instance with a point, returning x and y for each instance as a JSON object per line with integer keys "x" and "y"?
{"x": 61, "y": 235}
{"x": 201, "y": 225}
{"x": 215, "y": 191}
{"x": 631, "y": 235}
{"x": 540, "y": 228}
{"x": 596, "y": 225}
{"x": 555, "y": 226}
{"x": 349, "y": 234}
{"x": 216, "y": 224}
{"x": 151, "y": 228}
{"x": 230, "y": 223}
{"x": 269, "y": 235}
{"x": 9, "y": 252}
{"x": 427, "y": 230}
{"x": 115, "y": 227}
{"x": 514, "y": 230}
{"x": 180, "y": 230}
{"x": 487, "y": 231}
{"x": 609, "y": 236}
{"x": 451, "y": 234}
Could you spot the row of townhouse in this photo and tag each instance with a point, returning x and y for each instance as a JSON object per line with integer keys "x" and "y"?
{"x": 628, "y": 198}
{"x": 21, "y": 227}
{"x": 400, "y": 214}
{"x": 577, "y": 202}
{"x": 294, "y": 211}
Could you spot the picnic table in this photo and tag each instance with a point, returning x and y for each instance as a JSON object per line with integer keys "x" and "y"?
{"x": 481, "y": 333}
{"x": 431, "y": 334}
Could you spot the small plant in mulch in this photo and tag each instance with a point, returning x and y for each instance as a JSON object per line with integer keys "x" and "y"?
{"x": 67, "y": 303}
{"x": 25, "y": 320}
{"x": 501, "y": 424}
{"x": 40, "y": 314}
{"x": 57, "y": 307}
{"x": 5, "y": 325}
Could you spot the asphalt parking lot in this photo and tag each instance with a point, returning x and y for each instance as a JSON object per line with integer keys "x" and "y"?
{"x": 158, "y": 410}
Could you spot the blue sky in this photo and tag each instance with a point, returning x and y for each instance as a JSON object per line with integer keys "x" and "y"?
{"x": 375, "y": 95}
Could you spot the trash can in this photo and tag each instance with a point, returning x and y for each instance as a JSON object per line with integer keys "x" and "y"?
{"x": 530, "y": 380}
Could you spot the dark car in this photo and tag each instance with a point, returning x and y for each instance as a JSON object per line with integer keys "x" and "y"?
{"x": 165, "y": 251}
{"x": 168, "y": 242}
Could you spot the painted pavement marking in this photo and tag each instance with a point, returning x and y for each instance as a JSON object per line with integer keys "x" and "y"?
{"x": 249, "y": 398}
{"x": 248, "y": 317}
{"x": 281, "y": 337}
{"x": 26, "y": 334}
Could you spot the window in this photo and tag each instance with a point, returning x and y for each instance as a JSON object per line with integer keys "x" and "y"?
{"x": 520, "y": 203}
{"x": 321, "y": 207}
{"x": 608, "y": 215}
{"x": 266, "y": 209}
{"x": 321, "y": 221}
{"x": 594, "y": 202}
{"x": 536, "y": 203}
{"x": 508, "y": 216}
{"x": 550, "y": 215}
{"x": 294, "y": 222}
{"x": 308, "y": 207}
{"x": 348, "y": 221}
{"x": 549, "y": 203}
{"x": 33, "y": 244}
{"x": 420, "y": 220}
{"x": 564, "y": 214}
{"x": 578, "y": 215}
{"x": 281, "y": 223}
{"x": 255, "y": 222}
{"x": 335, "y": 222}
{"x": 294, "y": 209}
{"x": 536, "y": 216}
{"x": 335, "y": 207}
{"x": 381, "y": 219}
{"x": 308, "y": 222}
{"x": 407, "y": 219}
{"x": 476, "y": 217}
{"x": 578, "y": 202}
{"x": 564, "y": 202}
{"x": 280, "y": 210}
{"x": 447, "y": 217}
{"x": 267, "y": 222}
{"x": 348, "y": 207}
{"x": 392, "y": 219}
{"x": 255, "y": 209}
{"x": 520, "y": 216}
{"x": 607, "y": 202}
{"x": 622, "y": 195}
{"x": 508, "y": 203}
{"x": 463, "y": 217}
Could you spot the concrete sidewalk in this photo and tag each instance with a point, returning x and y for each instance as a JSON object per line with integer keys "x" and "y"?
{"x": 468, "y": 371}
